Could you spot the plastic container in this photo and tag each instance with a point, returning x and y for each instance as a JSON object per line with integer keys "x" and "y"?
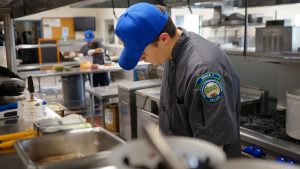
{"x": 32, "y": 110}
{"x": 112, "y": 117}
{"x": 57, "y": 108}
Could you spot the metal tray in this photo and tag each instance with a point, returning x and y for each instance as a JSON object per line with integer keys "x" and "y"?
{"x": 93, "y": 143}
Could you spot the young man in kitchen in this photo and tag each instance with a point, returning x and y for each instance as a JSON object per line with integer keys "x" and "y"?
{"x": 96, "y": 49}
{"x": 200, "y": 93}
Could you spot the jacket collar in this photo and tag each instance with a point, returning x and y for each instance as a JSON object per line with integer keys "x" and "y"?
{"x": 176, "y": 52}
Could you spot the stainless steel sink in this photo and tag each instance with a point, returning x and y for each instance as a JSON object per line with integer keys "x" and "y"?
{"x": 93, "y": 143}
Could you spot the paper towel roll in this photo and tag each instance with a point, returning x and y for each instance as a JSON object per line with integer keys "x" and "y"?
{"x": 32, "y": 110}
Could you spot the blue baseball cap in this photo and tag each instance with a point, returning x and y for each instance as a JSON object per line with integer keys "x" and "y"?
{"x": 88, "y": 35}
{"x": 137, "y": 28}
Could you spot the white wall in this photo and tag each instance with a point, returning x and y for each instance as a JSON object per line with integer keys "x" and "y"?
{"x": 107, "y": 13}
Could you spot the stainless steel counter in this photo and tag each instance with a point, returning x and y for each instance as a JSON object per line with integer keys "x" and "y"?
{"x": 74, "y": 71}
{"x": 247, "y": 99}
{"x": 273, "y": 57}
{"x": 13, "y": 161}
{"x": 93, "y": 141}
{"x": 29, "y": 67}
{"x": 152, "y": 93}
{"x": 273, "y": 145}
{"x": 134, "y": 85}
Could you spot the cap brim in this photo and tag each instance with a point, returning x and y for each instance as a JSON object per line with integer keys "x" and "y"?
{"x": 129, "y": 58}
{"x": 89, "y": 39}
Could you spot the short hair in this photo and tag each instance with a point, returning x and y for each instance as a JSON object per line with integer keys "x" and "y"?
{"x": 169, "y": 28}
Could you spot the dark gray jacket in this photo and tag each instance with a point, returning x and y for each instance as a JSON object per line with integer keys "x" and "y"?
{"x": 200, "y": 94}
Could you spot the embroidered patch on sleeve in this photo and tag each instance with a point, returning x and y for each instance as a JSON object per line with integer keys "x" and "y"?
{"x": 210, "y": 87}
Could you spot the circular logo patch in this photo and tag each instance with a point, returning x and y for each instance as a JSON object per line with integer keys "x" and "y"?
{"x": 210, "y": 87}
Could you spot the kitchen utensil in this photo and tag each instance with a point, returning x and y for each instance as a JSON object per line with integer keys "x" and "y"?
{"x": 30, "y": 88}
{"x": 170, "y": 160}
{"x": 140, "y": 154}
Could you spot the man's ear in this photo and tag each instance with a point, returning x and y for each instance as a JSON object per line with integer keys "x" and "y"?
{"x": 165, "y": 38}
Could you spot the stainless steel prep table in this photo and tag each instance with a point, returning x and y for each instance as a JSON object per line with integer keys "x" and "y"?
{"x": 28, "y": 67}
{"x": 75, "y": 71}
{"x": 102, "y": 93}
{"x": 80, "y": 97}
{"x": 128, "y": 108}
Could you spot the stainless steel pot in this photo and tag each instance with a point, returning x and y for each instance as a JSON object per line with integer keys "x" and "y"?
{"x": 293, "y": 114}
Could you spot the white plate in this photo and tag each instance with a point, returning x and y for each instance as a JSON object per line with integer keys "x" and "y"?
{"x": 140, "y": 153}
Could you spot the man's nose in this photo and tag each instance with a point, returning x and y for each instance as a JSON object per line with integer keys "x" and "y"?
{"x": 142, "y": 58}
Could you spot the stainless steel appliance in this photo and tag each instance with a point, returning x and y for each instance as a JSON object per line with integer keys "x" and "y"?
{"x": 147, "y": 103}
{"x": 73, "y": 91}
{"x": 263, "y": 132}
{"x": 254, "y": 100}
{"x": 268, "y": 139}
{"x": 293, "y": 114}
{"x": 277, "y": 38}
{"x": 258, "y": 130}
{"x": 127, "y": 106}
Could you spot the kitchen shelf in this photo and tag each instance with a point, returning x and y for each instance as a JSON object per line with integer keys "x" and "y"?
{"x": 237, "y": 25}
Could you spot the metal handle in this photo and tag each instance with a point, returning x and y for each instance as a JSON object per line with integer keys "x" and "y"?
{"x": 153, "y": 118}
{"x": 30, "y": 87}
{"x": 159, "y": 143}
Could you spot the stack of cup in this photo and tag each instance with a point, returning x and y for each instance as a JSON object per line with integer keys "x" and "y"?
{"x": 32, "y": 110}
